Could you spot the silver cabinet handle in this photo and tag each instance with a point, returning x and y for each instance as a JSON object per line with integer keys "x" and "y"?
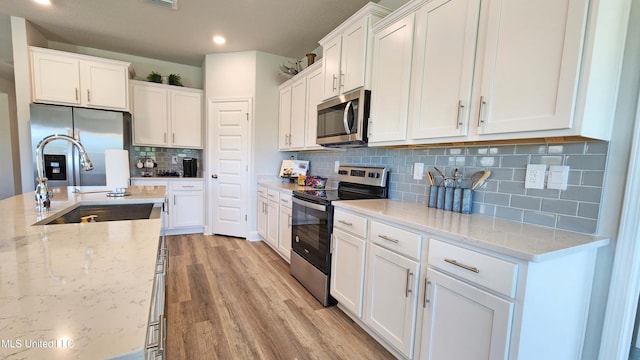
{"x": 173, "y": 137}
{"x": 341, "y": 83}
{"x": 165, "y": 137}
{"x": 214, "y": 176}
{"x": 187, "y": 186}
{"x": 335, "y": 78}
{"x": 345, "y": 118}
{"x": 88, "y": 95}
{"x": 426, "y": 300}
{"x": 345, "y": 222}
{"x": 76, "y": 94}
{"x": 407, "y": 288}
{"x": 466, "y": 267}
{"x": 174, "y": 199}
{"x": 481, "y": 111}
{"x": 289, "y": 220}
{"x": 385, "y": 237}
{"x": 458, "y": 121}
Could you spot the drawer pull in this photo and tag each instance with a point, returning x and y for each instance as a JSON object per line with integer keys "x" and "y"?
{"x": 466, "y": 267}
{"x": 385, "y": 237}
{"x": 407, "y": 288}
{"x": 345, "y": 222}
{"x": 427, "y": 284}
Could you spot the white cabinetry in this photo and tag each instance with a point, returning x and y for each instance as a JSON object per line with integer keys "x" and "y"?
{"x": 347, "y": 261}
{"x": 71, "y": 79}
{"x": 298, "y": 117}
{"x": 273, "y": 197}
{"x": 262, "y": 211}
{"x": 284, "y": 228}
{"x": 184, "y": 212}
{"x": 392, "y": 47}
{"x": 347, "y": 51}
{"x": 444, "y": 52}
{"x": 392, "y": 285}
{"x": 166, "y": 116}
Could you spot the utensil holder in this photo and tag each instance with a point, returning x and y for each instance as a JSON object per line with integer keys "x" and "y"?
{"x": 448, "y": 198}
{"x": 467, "y": 201}
{"x": 433, "y": 196}
{"x": 457, "y": 200}
{"x": 440, "y": 201}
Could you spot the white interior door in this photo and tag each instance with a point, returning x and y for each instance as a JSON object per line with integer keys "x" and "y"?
{"x": 228, "y": 154}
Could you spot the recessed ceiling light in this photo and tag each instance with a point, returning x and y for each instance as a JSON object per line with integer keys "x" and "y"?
{"x": 219, "y": 40}
{"x": 43, "y": 2}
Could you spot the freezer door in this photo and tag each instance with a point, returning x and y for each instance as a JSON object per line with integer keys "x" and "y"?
{"x": 97, "y": 130}
{"x": 48, "y": 120}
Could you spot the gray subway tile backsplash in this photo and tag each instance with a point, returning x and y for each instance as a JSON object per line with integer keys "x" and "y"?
{"x": 504, "y": 194}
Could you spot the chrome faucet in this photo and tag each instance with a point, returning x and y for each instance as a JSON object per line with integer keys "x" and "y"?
{"x": 43, "y": 195}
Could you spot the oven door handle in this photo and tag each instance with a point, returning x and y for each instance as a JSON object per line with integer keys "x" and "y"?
{"x": 309, "y": 204}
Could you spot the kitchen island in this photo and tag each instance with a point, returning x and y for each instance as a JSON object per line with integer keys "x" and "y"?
{"x": 75, "y": 291}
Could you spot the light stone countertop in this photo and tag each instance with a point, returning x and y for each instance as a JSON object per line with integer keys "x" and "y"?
{"x": 84, "y": 289}
{"x": 522, "y": 241}
{"x": 286, "y": 186}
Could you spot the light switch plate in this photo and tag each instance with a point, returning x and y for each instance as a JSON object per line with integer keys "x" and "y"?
{"x": 558, "y": 177}
{"x": 174, "y": 160}
{"x": 535, "y": 176}
{"x": 336, "y": 166}
{"x": 418, "y": 170}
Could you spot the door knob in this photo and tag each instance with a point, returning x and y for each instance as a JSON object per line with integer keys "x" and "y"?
{"x": 214, "y": 176}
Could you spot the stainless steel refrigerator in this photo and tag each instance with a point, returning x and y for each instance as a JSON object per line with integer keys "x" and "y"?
{"x": 97, "y": 130}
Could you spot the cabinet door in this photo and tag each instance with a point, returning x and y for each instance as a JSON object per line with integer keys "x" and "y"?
{"x": 262, "y": 217}
{"x": 392, "y": 288}
{"x": 298, "y": 113}
{"x": 354, "y": 56}
{"x": 186, "y": 118}
{"x": 272, "y": 223}
{"x": 150, "y": 115}
{"x": 391, "y": 74}
{"x": 284, "y": 232}
{"x": 56, "y": 79}
{"x": 104, "y": 85}
{"x": 314, "y": 97}
{"x": 463, "y": 322}
{"x": 347, "y": 271}
{"x": 444, "y": 53}
{"x": 188, "y": 209}
{"x": 284, "y": 118}
{"x": 331, "y": 67}
{"x": 530, "y": 65}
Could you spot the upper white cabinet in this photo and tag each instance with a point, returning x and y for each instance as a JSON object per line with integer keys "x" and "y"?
{"x": 528, "y": 64}
{"x": 166, "y": 116}
{"x": 497, "y": 70}
{"x": 298, "y": 117}
{"x": 70, "y": 79}
{"x": 392, "y": 47}
{"x": 346, "y": 52}
{"x": 443, "y": 60}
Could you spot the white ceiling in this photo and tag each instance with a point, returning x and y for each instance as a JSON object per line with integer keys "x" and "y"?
{"x": 284, "y": 27}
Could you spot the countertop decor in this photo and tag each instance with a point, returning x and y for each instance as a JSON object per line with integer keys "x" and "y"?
{"x": 75, "y": 291}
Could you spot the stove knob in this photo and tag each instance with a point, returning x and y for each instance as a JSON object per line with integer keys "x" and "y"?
{"x": 297, "y": 239}
{"x": 374, "y": 175}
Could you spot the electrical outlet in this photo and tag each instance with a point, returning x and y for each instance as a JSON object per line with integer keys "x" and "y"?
{"x": 535, "y": 176}
{"x": 174, "y": 160}
{"x": 418, "y": 170}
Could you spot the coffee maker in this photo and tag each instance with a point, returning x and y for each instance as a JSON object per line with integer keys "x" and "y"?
{"x": 190, "y": 167}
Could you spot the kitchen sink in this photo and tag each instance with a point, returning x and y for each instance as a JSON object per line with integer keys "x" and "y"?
{"x": 101, "y": 213}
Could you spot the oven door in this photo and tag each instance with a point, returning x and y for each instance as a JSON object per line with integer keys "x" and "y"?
{"x": 311, "y": 232}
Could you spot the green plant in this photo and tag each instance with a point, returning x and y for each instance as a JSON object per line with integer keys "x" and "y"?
{"x": 154, "y": 77}
{"x": 174, "y": 79}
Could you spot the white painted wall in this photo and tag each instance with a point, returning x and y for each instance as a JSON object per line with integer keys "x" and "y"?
{"x": 191, "y": 76}
{"x": 7, "y": 184}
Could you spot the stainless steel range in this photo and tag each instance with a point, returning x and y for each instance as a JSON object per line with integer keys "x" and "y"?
{"x": 312, "y": 224}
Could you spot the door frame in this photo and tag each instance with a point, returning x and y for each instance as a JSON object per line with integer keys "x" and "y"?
{"x": 207, "y": 172}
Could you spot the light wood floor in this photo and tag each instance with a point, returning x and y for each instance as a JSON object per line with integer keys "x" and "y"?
{"x": 228, "y": 298}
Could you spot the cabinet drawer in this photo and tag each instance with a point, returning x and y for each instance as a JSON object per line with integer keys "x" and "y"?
{"x": 401, "y": 241}
{"x": 273, "y": 195}
{"x": 490, "y": 272}
{"x": 187, "y": 185}
{"x": 354, "y": 224}
{"x": 262, "y": 191}
{"x": 285, "y": 200}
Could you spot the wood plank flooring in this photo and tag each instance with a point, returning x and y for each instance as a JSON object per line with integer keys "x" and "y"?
{"x": 229, "y": 298}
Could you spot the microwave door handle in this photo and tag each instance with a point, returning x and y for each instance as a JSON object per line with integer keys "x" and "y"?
{"x": 345, "y": 118}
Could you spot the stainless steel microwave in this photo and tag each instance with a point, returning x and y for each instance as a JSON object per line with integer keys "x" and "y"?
{"x": 342, "y": 122}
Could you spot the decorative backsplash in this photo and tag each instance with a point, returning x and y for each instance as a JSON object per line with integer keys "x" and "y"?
{"x": 163, "y": 157}
{"x": 503, "y": 195}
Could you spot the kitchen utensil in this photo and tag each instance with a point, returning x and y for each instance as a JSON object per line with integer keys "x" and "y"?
{"x": 430, "y": 178}
{"x": 440, "y": 173}
{"x": 481, "y": 180}
{"x": 475, "y": 177}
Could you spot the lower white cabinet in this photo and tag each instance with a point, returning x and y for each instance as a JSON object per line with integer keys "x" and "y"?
{"x": 284, "y": 230}
{"x": 262, "y": 211}
{"x": 463, "y": 322}
{"x": 392, "y": 297}
{"x": 184, "y": 211}
{"x": 272, "y": 218}
{"x": 347, "y": 269}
